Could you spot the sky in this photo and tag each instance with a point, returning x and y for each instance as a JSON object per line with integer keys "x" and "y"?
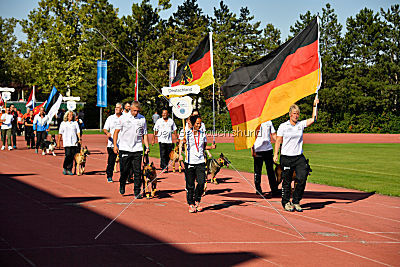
{"x": 282, "y": 14}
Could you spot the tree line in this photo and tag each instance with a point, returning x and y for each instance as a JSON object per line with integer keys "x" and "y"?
{"x": 360, "y": 67}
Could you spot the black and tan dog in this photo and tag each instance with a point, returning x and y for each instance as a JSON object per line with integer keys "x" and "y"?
{"x": 213, "y": 166}
{"x": 80, "y": 160}
{"x": 278, "y": 175}
{"x": 149, "y": 175}
{"x": 174, "y": 157}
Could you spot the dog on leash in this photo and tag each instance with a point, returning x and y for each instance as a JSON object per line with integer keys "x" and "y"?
{"x": 278, "y": 175}
{"x": 174, "y": 157}
{"x": 80, "y": 160}
{"x": 213, "y": 166}
{"x": 49, "y": 146}
{"x": 149, "y": 180}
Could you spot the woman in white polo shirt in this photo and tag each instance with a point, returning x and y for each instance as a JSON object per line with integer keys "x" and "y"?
{"x": 195, "y": 167}
{"x": 290, "y": 135}
{"x": 69, "y": 132}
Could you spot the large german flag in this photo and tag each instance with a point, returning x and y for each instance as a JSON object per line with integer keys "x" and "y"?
{"x": 197, "y": 68}
{"x": 265, "y": 89}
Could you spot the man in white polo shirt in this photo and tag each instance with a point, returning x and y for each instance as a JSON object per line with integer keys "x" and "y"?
{"x": 109, "y": 129}
{"x": 290, "y": 135}
{"x": 163, "y": 130}
{"x": 129, "y": 132}
{"x": 262, "y": 152}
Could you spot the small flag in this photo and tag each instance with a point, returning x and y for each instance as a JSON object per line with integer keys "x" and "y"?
{"x": 265, "y": 89}
{"x": 37, "y": 108}
{"x": 197, "y": 68}
{"x": 31, "y": 100}
{"x": 53, "y": 103}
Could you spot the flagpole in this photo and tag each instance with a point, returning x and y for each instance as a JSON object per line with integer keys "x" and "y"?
{"x": 101, "y": 108}
{"x": 33, "y": 98}
{"x": 212, "y": 71}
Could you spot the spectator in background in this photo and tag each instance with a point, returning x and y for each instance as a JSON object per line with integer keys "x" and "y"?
{"x": 155, "y": 117}
{"x": 29, "y": 134}
{"x": 163, "y": 130}
{"x": 127, "y": 108}
{"x": 14, "y": 123}
{"x": 60, "y": 117}
{"x": 6, "y": 128}
{"x": 41, "y": 128}
{"x": 20, "y": 122}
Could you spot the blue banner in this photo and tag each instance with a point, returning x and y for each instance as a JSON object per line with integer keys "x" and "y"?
{"x": 102, "y": 83}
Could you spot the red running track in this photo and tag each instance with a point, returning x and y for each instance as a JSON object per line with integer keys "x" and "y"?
{"x": 48, "y": 219}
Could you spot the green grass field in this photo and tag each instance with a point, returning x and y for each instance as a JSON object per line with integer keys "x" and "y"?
{"x": 366, "y": 167}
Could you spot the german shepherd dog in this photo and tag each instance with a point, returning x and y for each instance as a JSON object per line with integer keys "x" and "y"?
{"x": 149, "y": 178}
{"x": 49, "y": 146}
{"x": 278, "y": 175}
{"x": 174, "y": 157}
{"x": 213, "y": 166}
{"x": 80, "y": 160}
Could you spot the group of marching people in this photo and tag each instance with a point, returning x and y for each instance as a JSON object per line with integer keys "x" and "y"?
{"x": 36, "y": 129}
{"x": 126, "y": 131}
{"x": 13, "y": 123}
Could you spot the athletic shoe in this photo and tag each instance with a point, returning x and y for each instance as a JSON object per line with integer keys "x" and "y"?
{"x": 198, "y": 207}
{"x": 289, "y": 207}
{"x": 70, "y": 172}
{"x": 28, "y": 147}
{"x": 65, "y": 172}
{"x": 10, "y": 148}
{"x": 297, "y": 208}
{"x": 192, "y": 209}
{"x": 109, "y": 179}
{"x": 36, "y": 151}
{"x": 3, "y": 147}
{"x": 15, "y": 147}
{"x": 138, "y": 196}
{"x": 122, "y": 189}
{"x": 43, "y": 153}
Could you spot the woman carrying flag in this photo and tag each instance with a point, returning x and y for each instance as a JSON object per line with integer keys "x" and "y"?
{"x": 290, "y": 135}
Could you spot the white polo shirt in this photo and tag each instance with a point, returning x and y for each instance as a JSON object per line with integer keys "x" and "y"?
{"x": 165, "y": 130}
{"x": 195, "y": 146}
{"x": 8, "y": 119}
{"x": 292, "y": 144}
{"x": 131, "y": 132}
{"x": 110, "y": 125}
{"x": 70, "y": 131}
{"x": 263, "y": 141}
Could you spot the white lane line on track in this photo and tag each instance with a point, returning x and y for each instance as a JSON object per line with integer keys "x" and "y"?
{"x": 18, "y": 252}
{"x": 354, "y": 254}
{"x": 337, "y": 224}
{"x": 366, "y": 214}
{"x": 316, "y": 242}
{"x": 324, "y": 221}
{"x": 207, "y": 243}
{"x": 62, "y": 184}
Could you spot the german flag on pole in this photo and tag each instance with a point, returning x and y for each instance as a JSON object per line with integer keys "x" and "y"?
{"x": 197, "y": 68}
{"x": 265, "y": 89}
